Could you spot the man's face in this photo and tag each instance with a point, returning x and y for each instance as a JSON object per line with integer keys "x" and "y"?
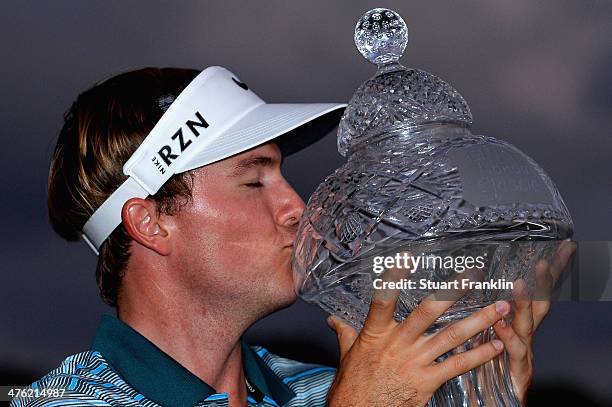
{"x": 233, "y": 243}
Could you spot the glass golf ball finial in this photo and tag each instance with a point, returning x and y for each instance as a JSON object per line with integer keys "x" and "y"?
{"x": 381, "y": 36}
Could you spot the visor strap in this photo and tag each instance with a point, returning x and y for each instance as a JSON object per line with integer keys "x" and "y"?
{"x": 108, "y": 216}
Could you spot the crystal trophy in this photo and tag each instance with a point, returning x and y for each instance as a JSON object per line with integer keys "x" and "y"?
{"x": 417, "y": 180}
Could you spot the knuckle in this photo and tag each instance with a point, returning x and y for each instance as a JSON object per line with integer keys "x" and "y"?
{"x": 453, "y": 334}
{"x": 541, "y": 308}
{"x": 490, "y": 315}
{"x": 459, "y": 363}
{"x": 491, "y": 352}
{"x": 529, "y": 330}
{"x": 524, "y": 348}
{"x": 369, "y": 336}
{"x": 519, "y": 353}
{"x": 425, "y": 312}
{"x": 542, "y": 266}
{"x": 378, "y": 304}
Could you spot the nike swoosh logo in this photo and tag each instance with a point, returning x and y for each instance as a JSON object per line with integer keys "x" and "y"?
{"x": 241, "y": 84}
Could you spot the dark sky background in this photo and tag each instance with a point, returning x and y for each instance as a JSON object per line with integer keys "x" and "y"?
{"x": 537, "y": 74}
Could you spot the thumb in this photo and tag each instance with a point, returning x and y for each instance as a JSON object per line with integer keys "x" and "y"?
{"x": 346, "y": 334}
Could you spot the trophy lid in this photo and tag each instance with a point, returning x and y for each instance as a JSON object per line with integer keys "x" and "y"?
{"x": 396, "y": 98}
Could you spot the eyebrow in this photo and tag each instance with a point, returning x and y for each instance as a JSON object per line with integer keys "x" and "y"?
{"x": 248, "y": 163}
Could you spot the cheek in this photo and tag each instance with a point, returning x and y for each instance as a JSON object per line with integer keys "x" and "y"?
{"x": 246, "y": 227}
{"x": 229, "y": 230}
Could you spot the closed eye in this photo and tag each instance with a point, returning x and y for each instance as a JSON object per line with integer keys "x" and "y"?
{"x": 254, "y": 184}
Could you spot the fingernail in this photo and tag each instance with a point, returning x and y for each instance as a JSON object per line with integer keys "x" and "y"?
{"x": 330, "y": 322}
{"x": 502, "y": 307}
{"x": 497, "y": 344}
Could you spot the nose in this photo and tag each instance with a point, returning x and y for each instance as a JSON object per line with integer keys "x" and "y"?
{"x": 291, "y": 206}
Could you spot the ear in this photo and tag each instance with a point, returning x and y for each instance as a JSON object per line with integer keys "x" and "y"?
{"x": 143, "y": 223}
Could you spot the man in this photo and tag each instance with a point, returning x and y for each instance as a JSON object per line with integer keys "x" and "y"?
{"x": 194, "y": 239}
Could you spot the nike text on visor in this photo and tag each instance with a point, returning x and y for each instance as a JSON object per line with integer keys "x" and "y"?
{"x": 216, "y": 116}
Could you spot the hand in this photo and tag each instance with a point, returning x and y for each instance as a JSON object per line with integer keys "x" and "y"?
{"x": 528, "y": 316}
{"x": 394, "y": 364}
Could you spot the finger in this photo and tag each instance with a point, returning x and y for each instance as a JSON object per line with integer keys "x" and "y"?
{"x": 345, "y": 333}
{"x": 523, "y": 323}
{"x": 465, "y": 361}
{"x": 546, "y": 278}
{"x": 540, "y": 311}
{"x": 435, "y": 305}
{"x": 561, "y": 258}
{"x": 459, "y": 332}
{"x": 515, "y": 347}
{"x": 519, "y": 357}
{"x": 544, "y": 281}
{"x": 384, "y": 300}
{"x": 544, "y": 287}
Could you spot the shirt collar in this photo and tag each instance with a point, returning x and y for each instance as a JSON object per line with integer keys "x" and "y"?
{"x": 160, "y": 378}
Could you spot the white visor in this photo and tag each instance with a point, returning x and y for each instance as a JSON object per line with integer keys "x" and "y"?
{"x": 214, "y": 117}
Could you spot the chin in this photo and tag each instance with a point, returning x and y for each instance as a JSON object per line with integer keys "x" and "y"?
{"x": 282, "y": 298}
{"x": 291, "y": 297}
{"x": 286, "y": 293}
{"x": 280, "y": 291}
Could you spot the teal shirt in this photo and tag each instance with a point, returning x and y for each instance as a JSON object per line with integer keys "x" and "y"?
{"x": 123, "y": 368}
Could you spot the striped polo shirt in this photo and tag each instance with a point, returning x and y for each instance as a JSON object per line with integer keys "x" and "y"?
{"x": 123, "y": 368}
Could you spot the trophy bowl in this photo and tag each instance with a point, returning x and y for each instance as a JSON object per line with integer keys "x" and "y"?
{"x": 419, "y": 191}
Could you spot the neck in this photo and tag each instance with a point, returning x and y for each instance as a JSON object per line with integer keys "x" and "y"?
{"x": 202, "y": 338}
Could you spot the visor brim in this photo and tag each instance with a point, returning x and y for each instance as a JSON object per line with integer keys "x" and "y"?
{"x": 292, "y": 126}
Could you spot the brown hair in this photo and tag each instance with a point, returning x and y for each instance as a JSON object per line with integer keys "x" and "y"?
{"x": 101, "y": 130}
